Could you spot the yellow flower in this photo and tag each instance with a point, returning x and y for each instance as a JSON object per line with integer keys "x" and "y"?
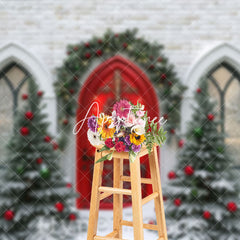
{"x": 137, "y": 139}
{"x": 104, "y": 122}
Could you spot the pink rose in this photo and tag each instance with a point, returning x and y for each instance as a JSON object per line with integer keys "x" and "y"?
{"x": 140, "y": 113}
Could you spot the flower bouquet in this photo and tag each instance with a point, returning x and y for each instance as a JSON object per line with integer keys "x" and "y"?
{"x": 126, "y": 130}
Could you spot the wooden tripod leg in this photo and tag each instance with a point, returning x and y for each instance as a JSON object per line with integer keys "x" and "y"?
{"x": 117, "y": 198}
{"x": 158, "y": 202}
{"x": 136, "y": 199}
{"x": 95, "y": 197}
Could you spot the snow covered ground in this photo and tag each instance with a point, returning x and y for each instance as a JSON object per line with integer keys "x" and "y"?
{"x": 105, "y": 222}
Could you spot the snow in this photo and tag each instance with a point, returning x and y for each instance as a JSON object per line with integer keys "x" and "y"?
{"x": 105, "y": 222}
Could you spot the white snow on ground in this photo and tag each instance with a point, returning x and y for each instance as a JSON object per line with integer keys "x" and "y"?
{"x": 105, "y": 222}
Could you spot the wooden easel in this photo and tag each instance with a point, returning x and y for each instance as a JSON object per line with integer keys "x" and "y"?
{"x": 100, "y": 192}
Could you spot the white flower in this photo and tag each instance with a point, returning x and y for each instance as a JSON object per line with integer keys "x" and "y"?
{"x": 138, "y": 129}
{"x": 94, "y": 138}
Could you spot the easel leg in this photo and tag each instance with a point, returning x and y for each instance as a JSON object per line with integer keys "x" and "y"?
{"x": 95, "y": 198}
{"x": 136, "y": 199}
{"x": 158, "y": 202}
{"x": 117, "y": 198}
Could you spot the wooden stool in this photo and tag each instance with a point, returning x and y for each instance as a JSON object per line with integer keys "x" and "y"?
{"x": 99, "y": 192}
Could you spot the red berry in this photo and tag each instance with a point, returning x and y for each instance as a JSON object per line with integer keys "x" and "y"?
{"x": 210, "y": 117}
{"x": 24, "y": 131}
{"x": 177, "y": 202}
{"x": 99, "y": 52}
{"x": 87, "y": 44}
{"x": 72, "y": 217}
{"x": 189, "y": 170}
{"x": 9, "y": 215}
{"x": 199, "y": 90}
{"x": 180, "y": 143}
{"x": 172, "y": 131}
{"x": 232, "y": 207}
{"x": 29, "y": 115}
{"x": 55, "y": 145}
{"x": 165, "y": 116}
{"x": 65, "y": 121}
{"x": 69, "y": 185}
{"x": 170, "y": 83}
{"x": 71, "y": 90}
{"x": 39, "y": 160}
{"x": 163, "y": 76}
{"x": 171, "y": 175}
{"x": 99, "y": 41}
{"x": 87, "y": 55}
{"x": 40, "y": 93}
{"x": 159, "y": 59}
{"x": 59, "y": 206}
{"x": 125, "y": 45}
{"x": 24, "y": 96}
{"x": 47, "y": 139}
{"x": 75, "y": 48}
{"x": 206, "y": 214}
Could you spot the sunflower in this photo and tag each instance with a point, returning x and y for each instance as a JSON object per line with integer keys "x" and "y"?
{"x": 137, "y": 139}
{"x": 104, "y": 122}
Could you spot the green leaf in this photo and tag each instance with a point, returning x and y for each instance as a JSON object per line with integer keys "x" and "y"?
{"x": 104, "y": 148}
{"x": 106, "y": 157}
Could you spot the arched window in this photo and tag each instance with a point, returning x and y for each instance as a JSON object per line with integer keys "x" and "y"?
{"x": 13, "y": 83}
{"x": 224, "y": 87}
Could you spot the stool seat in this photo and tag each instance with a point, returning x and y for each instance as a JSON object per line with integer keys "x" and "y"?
{"x": 100, "y": 192}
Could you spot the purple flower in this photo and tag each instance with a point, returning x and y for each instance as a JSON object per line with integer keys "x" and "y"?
{"x": 127, "y": 140}
{"x": 92, "y": 124}
{"x": 126, "y": 149}
{"x": 136, "y": 148}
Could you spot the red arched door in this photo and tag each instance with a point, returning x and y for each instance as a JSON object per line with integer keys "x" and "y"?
{"x": 116, "y": 78}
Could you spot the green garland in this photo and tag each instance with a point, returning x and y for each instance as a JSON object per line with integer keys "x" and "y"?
{"x": 147, "y": 55}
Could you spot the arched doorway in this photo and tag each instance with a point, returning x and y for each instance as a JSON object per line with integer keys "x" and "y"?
{"x": 114, "y": 79}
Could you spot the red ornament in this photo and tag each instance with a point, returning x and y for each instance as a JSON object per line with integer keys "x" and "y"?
{"x": 189, "y": 170}
{"x": 29, "y": 115}
{"x": 99, "y": 41}
{"x": 170, "y": 83}
{"x": 75, "y": 48}
{"x": 87, "y": 44}
{"x": 65, "y": 121}
{"x": 24, "y": 96}
{"x": 151, "y": 67}
{"x": 210, "y": 117}
{"x": 72, "y": 217}
{"x": 99, "y": 52}
{"x": 177, "y": 202}
{"x": 172, "y": 131}
{"x": 69, "y": 185}
{"x": 39, "y": 160}
{"x": 24, "y": 131}
{"x": 180, "y": 143}
{"x": 159, "y": 59}
{"x": 59, "y": 206}
{"x": 87, "y": 55}
{"x": 9, "y": 215}
{"x": 164, "y": 198}
{"x": 199, "y": 90}
{"x": 40, "y": 93}
{"x": 163, "y": 76}
{"x": 172, "y": 175}
{"x": 207, "y": 214}
{"x": 165, "y": 116}
{"x": 47, "y": 139}
{"x": 232, "y": 207}
{"x": 125, "y": 45}
{"x": 55, "y": 145}
{"x": 71, "y": 90}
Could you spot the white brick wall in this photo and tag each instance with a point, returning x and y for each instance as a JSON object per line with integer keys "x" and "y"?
{"x": 186, "y": 28}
